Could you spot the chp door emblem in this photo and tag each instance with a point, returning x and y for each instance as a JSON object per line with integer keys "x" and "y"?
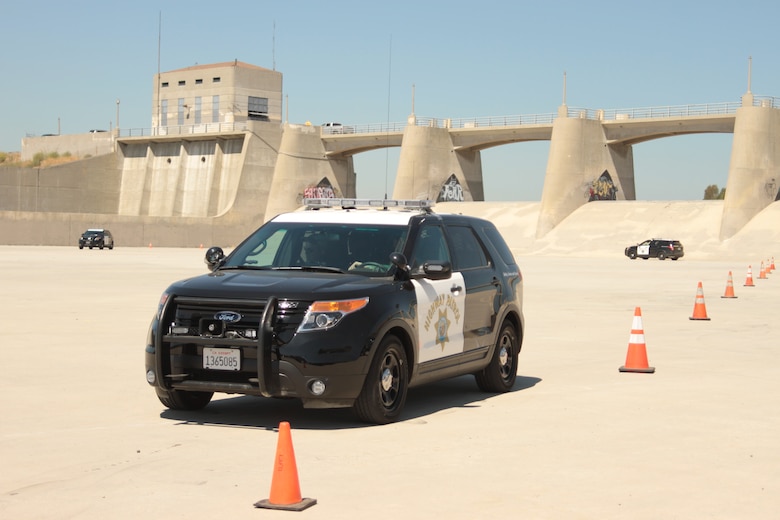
{"x": 442, "y": 329}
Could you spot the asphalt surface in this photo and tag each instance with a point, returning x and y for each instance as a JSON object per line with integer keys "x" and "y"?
{"x": 83, "y": 436}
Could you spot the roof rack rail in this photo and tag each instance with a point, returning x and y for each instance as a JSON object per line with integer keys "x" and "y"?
{"x": 371, "y": 203}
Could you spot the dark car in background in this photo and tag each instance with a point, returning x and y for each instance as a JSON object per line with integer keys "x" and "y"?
{"x": 656, "y": 248}
{"x": 100, "y": 238}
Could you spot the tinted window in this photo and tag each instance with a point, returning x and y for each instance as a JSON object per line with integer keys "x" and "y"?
{"x": 430, "y": 246}
{"x": 467, "y": 252}
{"x": 498, "y": 242}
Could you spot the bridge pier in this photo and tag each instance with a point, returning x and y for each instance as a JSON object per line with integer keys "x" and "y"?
{"x": 582, "y": 166}
{"x": 429, "y": 167}
{"x": 303, "y": 169}
{"x": 754, "y": 170}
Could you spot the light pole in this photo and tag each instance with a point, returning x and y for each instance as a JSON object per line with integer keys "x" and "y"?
{"x": 117, "y": 117}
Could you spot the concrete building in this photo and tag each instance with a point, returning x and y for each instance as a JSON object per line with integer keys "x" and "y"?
{"x": 216, "y": 93}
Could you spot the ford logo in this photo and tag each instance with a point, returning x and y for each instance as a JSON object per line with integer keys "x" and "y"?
{"x": 228, "y": 316}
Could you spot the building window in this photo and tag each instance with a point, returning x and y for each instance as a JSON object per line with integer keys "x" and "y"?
{"x": 197, "y": 110}
{"x": 258, "y": 108}
{"x": 180, "y": 112}
{"x": 216, "y": 80}
{"x": 215, "y": 109}
{"x": 164, "y": 113}
{"x": 182, "y": 83}
{"x": 164, "y": 84}
{"x": 198, "y": 81}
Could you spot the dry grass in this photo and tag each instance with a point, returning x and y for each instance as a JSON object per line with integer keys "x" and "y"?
{"x": 40, "y": 161}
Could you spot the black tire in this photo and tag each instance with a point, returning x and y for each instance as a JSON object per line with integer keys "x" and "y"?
{"x": 384, "y": 390}
{"x": 81, "y": 247}
{"x": 180, "y": 400}
{"x": 100, "y": 247}
{"x": 674, "y": 257}
{"x": 661, "y": 255}
{"x": 632, "y": 255}
{"x": 500, "y": 375}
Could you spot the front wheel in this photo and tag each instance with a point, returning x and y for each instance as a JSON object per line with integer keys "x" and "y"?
{"x": 384, "y": 390}
{"x": 500, "y": 375}
{"x": 180, "y": 400}
{"x": 632, "y": 255}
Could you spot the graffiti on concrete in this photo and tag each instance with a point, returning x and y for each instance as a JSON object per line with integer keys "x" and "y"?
{"x": 323, "y": 190}
{"x": 602, "y": 188}
{"x": 451, "y": 191}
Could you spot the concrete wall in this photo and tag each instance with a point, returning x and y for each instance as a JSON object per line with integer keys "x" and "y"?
{"x": 89, "y": 186}
{"x": 78, "y": 145}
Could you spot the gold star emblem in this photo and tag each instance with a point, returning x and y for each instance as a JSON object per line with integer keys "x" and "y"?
{"x": 442, "y": 329}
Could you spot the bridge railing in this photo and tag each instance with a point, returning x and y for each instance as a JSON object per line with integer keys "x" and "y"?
{"x": 483, "y": 122}
{"x": 203, "y": 128}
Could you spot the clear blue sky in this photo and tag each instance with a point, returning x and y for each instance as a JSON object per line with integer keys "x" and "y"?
{"x": 66, "y": 63}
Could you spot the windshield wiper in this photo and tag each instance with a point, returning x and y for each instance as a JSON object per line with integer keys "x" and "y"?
{"x": 310, "y": 268}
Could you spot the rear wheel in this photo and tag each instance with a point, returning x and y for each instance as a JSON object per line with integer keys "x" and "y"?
{"x": 180, "y": 400}
{"x": 661, "y": 255}
{"x": 384, "y": 391}
{"x": 500, "y": 375}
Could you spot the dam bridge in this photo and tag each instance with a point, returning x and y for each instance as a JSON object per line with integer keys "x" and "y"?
{"x": 182, "y": 185}
{"x": 590, "y": 157}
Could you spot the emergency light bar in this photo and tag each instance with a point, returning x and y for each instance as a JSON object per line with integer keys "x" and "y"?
{"x": 373, "y": 203}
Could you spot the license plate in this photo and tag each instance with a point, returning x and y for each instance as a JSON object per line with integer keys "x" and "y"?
{"x": 221, "y": 358}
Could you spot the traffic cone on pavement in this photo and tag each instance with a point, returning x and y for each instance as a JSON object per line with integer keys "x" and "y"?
{"x": 699, "y": 309}
{"x": 772, "y": 265}
{"x": 749, "y": 279}
{"x": 729, "y": 288}
{"x": 762, "y": 272}
{"x": 636, "y": 357}
{"x": 285, "y": 489}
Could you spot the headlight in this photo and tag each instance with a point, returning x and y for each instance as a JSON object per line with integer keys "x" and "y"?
{"x": 323, "y": 315}
{"x": 163, "y": 299}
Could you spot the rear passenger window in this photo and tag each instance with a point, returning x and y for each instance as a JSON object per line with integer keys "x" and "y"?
{"x": 498, "y": 242}
{"x": 467, "y": 252}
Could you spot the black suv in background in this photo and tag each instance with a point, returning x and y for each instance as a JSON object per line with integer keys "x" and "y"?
{"x": 99, "y": 238}
{"x": 656, "y": 248}
{"x": 347, "y": 304}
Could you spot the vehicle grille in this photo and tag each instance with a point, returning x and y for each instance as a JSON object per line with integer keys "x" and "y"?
{"x": 190, "y": 324}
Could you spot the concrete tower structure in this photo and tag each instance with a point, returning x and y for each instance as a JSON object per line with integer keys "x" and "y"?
{"x": 754, "y": 170}
{"x": 582, "y": 166}
{"x": 431, "y": 167}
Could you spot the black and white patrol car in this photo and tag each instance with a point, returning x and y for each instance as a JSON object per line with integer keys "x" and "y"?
{"x": 348, "y": 303}
{"x": 659, "y": 248}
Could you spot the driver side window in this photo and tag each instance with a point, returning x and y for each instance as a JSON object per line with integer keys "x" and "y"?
{"x": 430, "y": 247}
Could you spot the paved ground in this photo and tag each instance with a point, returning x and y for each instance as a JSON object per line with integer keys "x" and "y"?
{"x": 82, "y": 436}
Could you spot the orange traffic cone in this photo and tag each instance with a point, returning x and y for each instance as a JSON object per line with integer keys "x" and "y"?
{"x": 636, "y": 358}
{"x": 772, "y": 265}
{"x": 285, "y": 489}
{"x": 762, "y": 272}
{"x": 729, "y": 288}
{"x": 749, "y": 280}
{"x": 699, "y": 310}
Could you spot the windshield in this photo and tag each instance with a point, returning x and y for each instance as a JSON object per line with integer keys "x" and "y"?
{"x": 354, "y": 248}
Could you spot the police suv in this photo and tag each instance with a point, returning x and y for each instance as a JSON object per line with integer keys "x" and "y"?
{"x": 347, "y": 303}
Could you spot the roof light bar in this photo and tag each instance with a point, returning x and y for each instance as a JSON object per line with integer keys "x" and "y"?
{"x": 374, "y": 203}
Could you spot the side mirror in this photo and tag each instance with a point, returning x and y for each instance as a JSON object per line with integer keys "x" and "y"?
{"x": 214, "y": 257}
{"x": 399, "y": 260}
{"x": 436, "y": 271}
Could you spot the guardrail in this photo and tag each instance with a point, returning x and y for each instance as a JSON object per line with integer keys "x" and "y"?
{"x": 204, "y": 128}
{"x": 480, "y": 122}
